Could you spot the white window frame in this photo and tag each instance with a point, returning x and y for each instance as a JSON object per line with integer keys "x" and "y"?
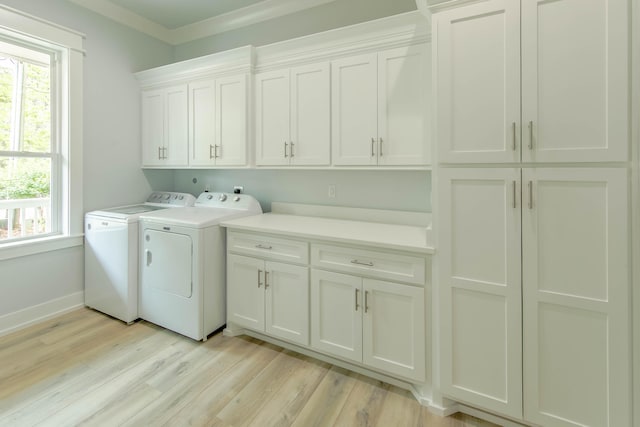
{"x": 68, "y": 47}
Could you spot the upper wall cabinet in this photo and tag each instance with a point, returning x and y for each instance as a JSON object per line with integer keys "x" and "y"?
{"x": 532, "y": 81}
{"x": 164, "y": 127}
{"x": 218, "y": 121}
{"x": 194, "y": 113}
{"x": 379, "y": 108}
{"x": 292, "y": 120}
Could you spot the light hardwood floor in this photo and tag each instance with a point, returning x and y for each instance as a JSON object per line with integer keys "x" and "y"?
{"x": 85, "y": 368}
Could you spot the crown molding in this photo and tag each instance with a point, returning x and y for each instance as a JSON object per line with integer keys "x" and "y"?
{"x": 253, "y": 14}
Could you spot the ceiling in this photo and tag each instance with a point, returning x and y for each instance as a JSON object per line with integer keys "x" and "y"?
{"x": 182, "y": 21}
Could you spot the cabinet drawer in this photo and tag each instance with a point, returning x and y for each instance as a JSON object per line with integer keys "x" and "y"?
{"x": 377, "y": 264}
{"x": 268, "y": 247}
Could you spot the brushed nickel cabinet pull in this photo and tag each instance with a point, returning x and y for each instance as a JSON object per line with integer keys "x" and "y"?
{"x": 530, "y": 194}
{"x": 285, "y": 148}
{"x": 366, "y": 301}
{"x": 530, "y": 135}
{"x": 373, "y": 143}
{"x": 291, "y": 149}
{"x": 514, "y": 195}
{"x": 211, "y": 155}
{"x": 380, "y": 149}
{"x": 266, "y": 279}
{"x": 215, "y": 151}
{"x": 261, "y": 246}
{"x": 513, "y": 135}
{"x": 259, "y": 278}
{"x": 368, "y": 263}
{"x": 357, "y": 306}
{"x": 159, "y": 155}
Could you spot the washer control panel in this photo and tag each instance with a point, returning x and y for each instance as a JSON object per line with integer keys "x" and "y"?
{"x": 171, "y": 198}
{"x": 227, "y": 201}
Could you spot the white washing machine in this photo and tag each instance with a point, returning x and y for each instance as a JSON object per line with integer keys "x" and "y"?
{"x": 111, "y": 254}
{"x": 182, "y": 263}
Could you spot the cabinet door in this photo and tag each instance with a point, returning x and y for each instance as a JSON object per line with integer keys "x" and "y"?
{"x": 336, "y": 314}
{"x": 576, "y": 297}
{"x": 480, "y": 287}
{"x": 152, "y": 127}
{"x": 404, "y": 79}
{"x": 287, "y": 302}
{"x": 177, "y": 126}
{"x": 245, "y": 291}
{"x": 478, "y": 82}
{"x": 354, "y": 111}
{"x": 231, "y": 121}
{"x": 272, "y": 118}
{"x": 310, "y": 115}
{"x": 575, "y": 80}
{"x": 202, "y": 113}
{"x": 394, "y": 329}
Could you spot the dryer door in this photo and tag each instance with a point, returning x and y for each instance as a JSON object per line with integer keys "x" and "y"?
{"x": 166, "y": 262}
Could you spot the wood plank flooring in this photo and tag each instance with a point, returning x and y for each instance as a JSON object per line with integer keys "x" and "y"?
{"x": 85, "y": 368}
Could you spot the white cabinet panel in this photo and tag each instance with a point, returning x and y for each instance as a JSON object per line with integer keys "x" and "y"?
{"x": 231, "y": 121}
{"x": 269, "y": 247}
{"x": 354, "y": 111}
{"x": 287, "y": 302}
{"x": 336, "y": 319}
{"x": 153, "y": 107}
{"x": 394, "y": 328}
{"x": 404, "y": 80}
{"x": 575, "y": 80}
{"x": 177, "y": 131}
{"x": 272, "y": 117}
{"x": 202, "y": 125}
{"x": 576, "y": 293}
{"x": 478, "y": 83}
{"x": 245, "y": 291}
{"x": 310, "y": 115}
{"x": 480, "y": 287}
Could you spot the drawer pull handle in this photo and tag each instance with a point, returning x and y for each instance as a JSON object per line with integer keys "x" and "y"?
{"x": 368, "y": 263}
{"x": 260, "y": 246}
{"x": 259, "y": 281}
{"x": 357, "y": 306}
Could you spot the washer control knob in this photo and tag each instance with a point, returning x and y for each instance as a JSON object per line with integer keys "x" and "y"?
{"x": 222, "y": 197}
{"x": 236, "y": 199}
{"x": 167, "y": 197}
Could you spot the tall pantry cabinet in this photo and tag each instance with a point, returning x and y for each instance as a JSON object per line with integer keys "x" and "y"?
{"x": 532, "y": 124}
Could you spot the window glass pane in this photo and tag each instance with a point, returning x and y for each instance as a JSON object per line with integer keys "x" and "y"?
{"x": 25, "y": 197}
{"x": 7, "y": 85}
{"x": 36, "y": 111}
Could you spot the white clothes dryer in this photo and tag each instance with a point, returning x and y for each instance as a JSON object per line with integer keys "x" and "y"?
{"x": 183, "y": 268}
{"x": 111, "y": 254}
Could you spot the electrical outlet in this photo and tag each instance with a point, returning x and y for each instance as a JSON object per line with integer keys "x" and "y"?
{"x": 332, "y": 191}
{"x": 238, "y": 189}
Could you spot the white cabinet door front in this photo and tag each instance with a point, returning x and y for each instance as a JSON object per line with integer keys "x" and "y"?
{"x": 272, "y": 118}
{"x": 177, "y": 126}
{"x": 478, "y": 83}
{"x": 153, "y": 107}
{"x": 576, "y": 297}
{"x": 231, "y": 121}
{"x": 394, "y": 328}
{"x": 480, "y": 287}
{"x": 287, "y": 302}
{"x": 310, "y": 115}
{"x": 202, "y": 138}
{"x": 404, "y": 77}
{"x": 575, "y": 80}
{"x": 245, "y": 291}
{"x": 336, "y": 314}
{"x": 354, "y": 110}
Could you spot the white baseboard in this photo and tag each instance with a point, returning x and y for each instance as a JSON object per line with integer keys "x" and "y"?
{"x": 38, "y": 313}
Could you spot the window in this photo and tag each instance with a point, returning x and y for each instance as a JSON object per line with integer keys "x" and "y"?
{"x": 29, "y": 157}
{"x": 40, "y": 135}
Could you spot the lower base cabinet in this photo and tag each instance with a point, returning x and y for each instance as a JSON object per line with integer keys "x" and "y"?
{"x": 270, "y": 297}
{"x": 378, "y": 323}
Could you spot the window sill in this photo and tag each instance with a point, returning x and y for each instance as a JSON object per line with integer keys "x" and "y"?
{"x": 37, "y": 246}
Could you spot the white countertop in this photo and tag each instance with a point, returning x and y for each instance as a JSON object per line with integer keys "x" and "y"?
{"x": 389, "y": 236}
